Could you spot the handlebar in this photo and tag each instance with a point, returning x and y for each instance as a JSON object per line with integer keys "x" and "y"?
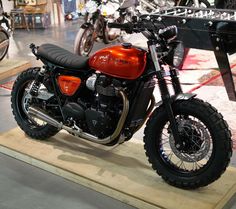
{"x": 148, "y": 28}
{"x": 138, "y": 26}
{"x": 128, "y": 27}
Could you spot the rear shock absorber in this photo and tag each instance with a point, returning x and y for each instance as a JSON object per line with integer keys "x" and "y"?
{"x": 38, "y": 80}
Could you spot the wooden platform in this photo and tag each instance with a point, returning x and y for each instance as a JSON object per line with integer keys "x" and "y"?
{"x": 11, "y": 67}
{"x": 121, "y": 172}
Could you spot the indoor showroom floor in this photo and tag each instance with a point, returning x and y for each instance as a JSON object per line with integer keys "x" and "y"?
{"x": 23, "y": 186}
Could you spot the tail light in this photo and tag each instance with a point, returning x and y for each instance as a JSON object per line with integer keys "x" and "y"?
{"x": 68, "y": 84}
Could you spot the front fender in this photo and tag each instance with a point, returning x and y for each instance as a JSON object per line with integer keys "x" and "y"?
{"x": 183, "y": 96}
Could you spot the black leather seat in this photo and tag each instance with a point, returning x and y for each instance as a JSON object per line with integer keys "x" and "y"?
{"x": 62, "y": 57}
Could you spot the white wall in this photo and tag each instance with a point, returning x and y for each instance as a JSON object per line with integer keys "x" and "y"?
{"x": 7, "y": 5}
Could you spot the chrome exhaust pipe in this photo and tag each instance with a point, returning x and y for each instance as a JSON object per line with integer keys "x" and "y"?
{"x": 37, "y": 113}
{"x": 149, "y": 110}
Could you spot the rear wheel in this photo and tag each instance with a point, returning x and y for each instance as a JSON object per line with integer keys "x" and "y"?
{"x": 84, "y": 41}
{"x": 20, "y": 102}
{"x": 4, "y": 43}
{"x": 205, "y": 150}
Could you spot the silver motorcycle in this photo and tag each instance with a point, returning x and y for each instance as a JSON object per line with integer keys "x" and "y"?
{"x": 97, "y": 16}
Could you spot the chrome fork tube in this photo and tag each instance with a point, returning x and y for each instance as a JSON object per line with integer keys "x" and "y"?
{"x": 155, "y": 60}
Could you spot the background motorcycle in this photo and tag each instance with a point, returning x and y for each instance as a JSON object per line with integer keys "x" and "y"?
{"x": 98, "y": 14}
{"x": 95, "y": 25}
{"x": 107, "y": 97}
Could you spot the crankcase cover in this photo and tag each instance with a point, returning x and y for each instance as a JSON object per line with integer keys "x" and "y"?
{"x": 122, "y": 61}
{"x": 99, "y": 123}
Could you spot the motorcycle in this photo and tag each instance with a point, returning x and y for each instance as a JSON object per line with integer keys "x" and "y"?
{"x": 107, "y": 97}
{"x": 98, "y": 14}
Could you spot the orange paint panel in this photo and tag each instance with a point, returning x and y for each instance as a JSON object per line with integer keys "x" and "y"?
{"x": 68, "y": 84}
{"x": 118, "y": 61}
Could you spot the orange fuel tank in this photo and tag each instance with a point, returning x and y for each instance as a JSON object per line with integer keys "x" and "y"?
{"x": 123, "y": 61}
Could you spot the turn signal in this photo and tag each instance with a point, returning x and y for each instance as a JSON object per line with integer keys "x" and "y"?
{"x": 68, "y": 84}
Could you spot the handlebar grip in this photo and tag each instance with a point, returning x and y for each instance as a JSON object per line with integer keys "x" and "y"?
{"x": 128, "y": 27}
{"x": 124, "y": 26}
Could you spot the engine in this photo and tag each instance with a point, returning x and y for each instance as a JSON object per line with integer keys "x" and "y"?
{"x": 100, "y": 115}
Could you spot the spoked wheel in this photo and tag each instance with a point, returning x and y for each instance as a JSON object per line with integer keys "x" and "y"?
{"x": 84, "y": 41}
{"x": 205, "y": 149}
{"x": 4, "y": 43}
{"x": 20, "y": 102}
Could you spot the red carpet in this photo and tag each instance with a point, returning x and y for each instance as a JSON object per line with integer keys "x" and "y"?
{"x": 7, "y": 85}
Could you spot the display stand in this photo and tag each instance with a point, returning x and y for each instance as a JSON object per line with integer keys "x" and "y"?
{"x": 121, "y": 172}
{"x": 9, "y": 68}
{"x": 208, "y": 29}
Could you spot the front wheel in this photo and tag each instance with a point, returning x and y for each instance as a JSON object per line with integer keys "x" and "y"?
{"x": 84, "y": 41}
{"x": 205, "y": 150}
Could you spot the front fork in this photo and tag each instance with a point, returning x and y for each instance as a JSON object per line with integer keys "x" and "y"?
{"x": 165, "y": 95}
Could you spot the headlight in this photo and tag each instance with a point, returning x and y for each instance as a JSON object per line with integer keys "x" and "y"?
{"x": 175, "y": 54}
{"x": 169, "y": 33}
{"x": 178, "y": 54}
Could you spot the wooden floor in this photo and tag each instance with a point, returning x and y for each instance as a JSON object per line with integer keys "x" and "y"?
{"x": 121, "y": 172}
{"x": 9, "y": 68}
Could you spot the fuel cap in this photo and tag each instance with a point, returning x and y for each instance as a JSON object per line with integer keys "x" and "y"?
{"x": 127, "y": 45}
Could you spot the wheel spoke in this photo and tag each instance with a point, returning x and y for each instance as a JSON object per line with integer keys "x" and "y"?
{"x": 196, "y": 166}
{"x": 197, "y": 146}
{"x": 165, "y": 141}
{"x": 169, "y": 156}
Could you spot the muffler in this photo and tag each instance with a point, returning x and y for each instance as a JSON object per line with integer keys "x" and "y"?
{"x": 38, "y": 113}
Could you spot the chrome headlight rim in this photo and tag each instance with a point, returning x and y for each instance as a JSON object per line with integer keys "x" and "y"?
{"x": 178, "y": 54}
{"x": 175, "y": 54}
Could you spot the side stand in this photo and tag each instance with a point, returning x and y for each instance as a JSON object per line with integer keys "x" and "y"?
{"x": 224, "y": 66}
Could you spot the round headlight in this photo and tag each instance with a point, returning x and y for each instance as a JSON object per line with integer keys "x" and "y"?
{"x": 175, "y": 54}
{"x": 178, "y": 54}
